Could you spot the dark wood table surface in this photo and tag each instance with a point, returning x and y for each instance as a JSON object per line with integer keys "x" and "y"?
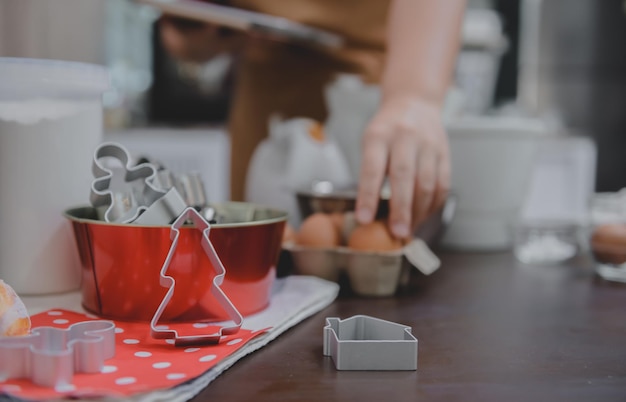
{"x": 489, "y": 329}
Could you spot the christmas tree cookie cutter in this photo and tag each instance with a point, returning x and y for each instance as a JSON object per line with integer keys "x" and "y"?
{"x": 136, "y": 197}
{"x": 170, "y": 283}
{"x": 50, "y": 356}
{"x": 366, "y": 343}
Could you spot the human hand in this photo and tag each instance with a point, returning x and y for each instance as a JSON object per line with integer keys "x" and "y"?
{"x": 194, "y": 41}
{"x": 406, "y": 142}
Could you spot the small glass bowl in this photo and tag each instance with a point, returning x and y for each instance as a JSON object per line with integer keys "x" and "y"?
{"x": 545, "y": 242}
{"x": 608, "y": 247}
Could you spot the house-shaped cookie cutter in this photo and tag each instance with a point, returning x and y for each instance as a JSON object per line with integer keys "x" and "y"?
{"x": 50, "y": 356}
{"x": 366, "y": 343}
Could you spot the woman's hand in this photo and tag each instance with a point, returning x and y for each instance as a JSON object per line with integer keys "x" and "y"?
{"x": 406, "y": 142}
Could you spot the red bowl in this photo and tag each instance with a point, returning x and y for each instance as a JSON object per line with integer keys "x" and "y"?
{"x": 121, "y": 264}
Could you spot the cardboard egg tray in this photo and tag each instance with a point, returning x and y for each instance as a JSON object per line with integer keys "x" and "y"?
{"x": 369, "y": 273}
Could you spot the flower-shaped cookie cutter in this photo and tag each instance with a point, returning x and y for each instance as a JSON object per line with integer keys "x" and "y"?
{"x": 169, "y": 282}
{"x": 135, "y": 197}
{"x": 366, "y": 343}
{"x": 50, "y": 356}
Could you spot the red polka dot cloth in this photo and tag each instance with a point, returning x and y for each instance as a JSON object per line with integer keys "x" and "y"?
{"x": 140, "y": 364}
{"x": 154, "y": 369}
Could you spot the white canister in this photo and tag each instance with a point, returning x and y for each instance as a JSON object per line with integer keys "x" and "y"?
{"x": 492, "y": 161}
{"x": 50, "y": 124}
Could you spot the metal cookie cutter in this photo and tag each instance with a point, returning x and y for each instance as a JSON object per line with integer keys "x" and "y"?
{"x": 137, "y": 196}
{"x": 50, "y": 356}
{"x": 169, "y": 282}
{"x": 367, "y": 343}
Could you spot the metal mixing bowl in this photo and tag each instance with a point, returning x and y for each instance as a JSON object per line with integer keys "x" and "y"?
{"x": 329, "y": 201}
{"x": 121, "y": 264}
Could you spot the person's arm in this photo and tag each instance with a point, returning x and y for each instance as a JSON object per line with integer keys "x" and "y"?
{"x": 406, "y": 140}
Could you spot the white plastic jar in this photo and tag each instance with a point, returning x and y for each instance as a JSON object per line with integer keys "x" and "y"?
{"x": 50, "y": 124}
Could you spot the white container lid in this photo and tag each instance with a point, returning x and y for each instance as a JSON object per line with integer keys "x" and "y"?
{"x": 22, "y": 78}
{"x": 495, "y": 126}
{"x": 482, "y": 28}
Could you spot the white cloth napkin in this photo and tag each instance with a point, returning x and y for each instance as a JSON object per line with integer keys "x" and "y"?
{"x": 294, "y": 298}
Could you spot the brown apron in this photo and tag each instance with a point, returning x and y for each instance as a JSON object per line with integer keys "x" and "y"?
{"x": 289, "y": 80}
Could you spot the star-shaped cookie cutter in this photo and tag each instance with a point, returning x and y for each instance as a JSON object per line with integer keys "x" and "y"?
{"x": 50, "y": 356}
{"x": 141, "y": 199}
{"x": 169, "y": 282}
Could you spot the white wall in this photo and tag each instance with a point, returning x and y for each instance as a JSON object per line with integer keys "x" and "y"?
{"x": 60, "y": 29}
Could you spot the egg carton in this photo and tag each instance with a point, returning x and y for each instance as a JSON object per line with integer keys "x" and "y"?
{"x": 370, "y": 273}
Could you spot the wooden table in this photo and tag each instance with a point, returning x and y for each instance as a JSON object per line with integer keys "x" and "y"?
{"x": 489, "y": 329}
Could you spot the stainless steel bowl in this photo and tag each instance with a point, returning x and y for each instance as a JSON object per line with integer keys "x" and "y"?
{"x": 430, "y": 230}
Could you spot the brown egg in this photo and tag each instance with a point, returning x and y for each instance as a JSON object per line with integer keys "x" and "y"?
{"x": 289, "y": 234}
{"x": 318, "y": 230}
{"x": 337, "y": 218}
{"x": 373, "y": 236}
{"x": 608, "y": 242}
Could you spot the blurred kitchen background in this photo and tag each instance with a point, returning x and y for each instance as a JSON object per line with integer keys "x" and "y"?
{"x": 555, "y": 66}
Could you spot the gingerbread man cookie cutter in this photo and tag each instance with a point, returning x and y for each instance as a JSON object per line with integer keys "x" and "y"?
{"x": 136, "y": 196}
{"x": 50, "y": 356}
{"x": 169, "y": 282}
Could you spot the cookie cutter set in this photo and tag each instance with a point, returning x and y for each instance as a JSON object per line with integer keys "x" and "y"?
{"x": 131, "y": 194}
{"x": 50, "y": 356}
{"x": 135, "y": 194}
{"x": 367, "y": 343}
